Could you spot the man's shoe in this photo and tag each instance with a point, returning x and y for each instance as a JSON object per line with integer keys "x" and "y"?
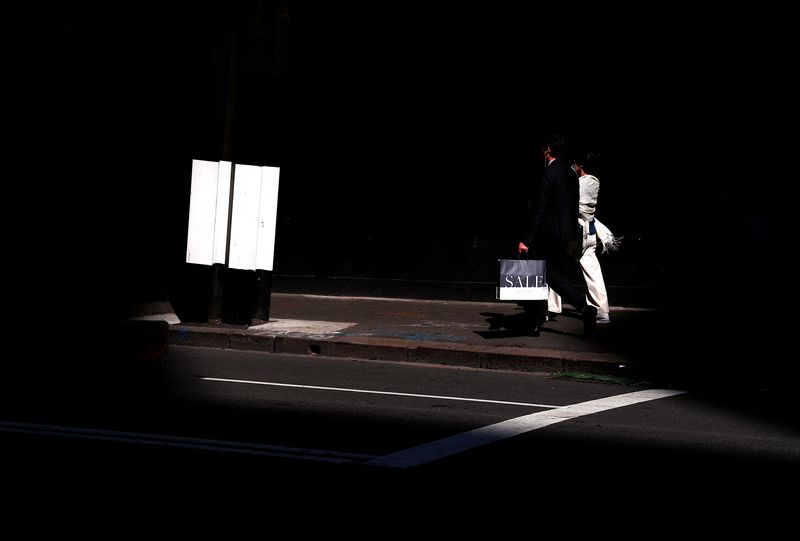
{"x": 602, "y": 319}
{"x": 589, "y": 316}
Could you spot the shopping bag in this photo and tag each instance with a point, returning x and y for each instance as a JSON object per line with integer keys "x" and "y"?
{"x": 522, "y": 280}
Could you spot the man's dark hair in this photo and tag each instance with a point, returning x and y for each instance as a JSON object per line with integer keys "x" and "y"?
{"x": 556, "y": 143}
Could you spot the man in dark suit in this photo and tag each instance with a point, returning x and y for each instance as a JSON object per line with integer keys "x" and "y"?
{"x": 553, "y": 232}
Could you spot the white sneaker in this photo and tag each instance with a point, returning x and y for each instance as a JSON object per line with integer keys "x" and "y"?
{"x": 602, "y": 319}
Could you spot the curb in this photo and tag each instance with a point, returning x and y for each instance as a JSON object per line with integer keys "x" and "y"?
{"x": 400, "y": 350}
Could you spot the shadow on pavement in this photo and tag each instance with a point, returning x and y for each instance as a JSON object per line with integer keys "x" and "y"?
{"x": 505, "y": 326}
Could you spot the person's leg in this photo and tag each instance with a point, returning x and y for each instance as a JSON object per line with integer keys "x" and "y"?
{"x": 558, "y": 280}
{"x": 553, "y": 302}
{"x": 593, "y": 276}
{"x": 535, "y": 312}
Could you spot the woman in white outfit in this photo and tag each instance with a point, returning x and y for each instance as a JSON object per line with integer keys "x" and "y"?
{"x": 593, "y": 232}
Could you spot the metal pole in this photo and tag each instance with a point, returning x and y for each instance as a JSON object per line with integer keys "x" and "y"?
{"x": 263, "y": 295}
{"x": 218, "y": 269}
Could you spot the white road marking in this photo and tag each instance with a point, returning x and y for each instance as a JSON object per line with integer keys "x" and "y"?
{"x": 184, "y": 442}
{"x": 414, "y": 456}
{"x": 512, "y": 427}
{"x": 317, "y": 387}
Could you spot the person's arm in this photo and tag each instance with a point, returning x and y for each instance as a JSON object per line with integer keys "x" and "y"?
{"x": 589, "y": 191}
{"x": 539, "y": 207}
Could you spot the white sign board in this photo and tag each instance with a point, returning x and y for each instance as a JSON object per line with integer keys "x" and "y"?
{"x": 208, "y": 212}
{"x": 221, "y": 215}
{"x": 255, "y": 206}
{"x": 267, "y": 217}
{"x": 252, "y": 220}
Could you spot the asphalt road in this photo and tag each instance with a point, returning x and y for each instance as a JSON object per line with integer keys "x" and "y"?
{"x": 229, "y": 444}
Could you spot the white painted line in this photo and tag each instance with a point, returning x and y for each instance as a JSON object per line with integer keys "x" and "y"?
{"x": 414, "y": 395}
{"x": 404, "y": 459}
{"x": 512, "y": 427}
{"x": 183, "y": 442}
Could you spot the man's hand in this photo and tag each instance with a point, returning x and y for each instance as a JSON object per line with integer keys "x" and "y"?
{"x": 523, "y": 248}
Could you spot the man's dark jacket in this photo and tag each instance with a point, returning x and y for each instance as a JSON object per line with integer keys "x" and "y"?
{"x": 554, "y": 215}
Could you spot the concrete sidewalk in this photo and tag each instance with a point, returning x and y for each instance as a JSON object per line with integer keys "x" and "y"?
{"x": 470, "y": 334}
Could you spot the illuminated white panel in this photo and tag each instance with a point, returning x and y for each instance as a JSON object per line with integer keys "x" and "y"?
{"x": 267, "y": 216}
{"x": 202, "y": 208}
{"x": 244, "y": 220}
{"x": 221, "y": 221}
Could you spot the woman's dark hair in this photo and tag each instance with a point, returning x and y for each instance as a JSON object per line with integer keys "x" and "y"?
{"x": 590, "y": 161}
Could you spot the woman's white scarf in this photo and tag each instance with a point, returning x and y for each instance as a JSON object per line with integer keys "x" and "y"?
{"x": 606, "y": 237}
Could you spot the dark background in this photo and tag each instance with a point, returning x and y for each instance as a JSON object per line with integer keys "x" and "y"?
{"x": 407, "y": 136}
